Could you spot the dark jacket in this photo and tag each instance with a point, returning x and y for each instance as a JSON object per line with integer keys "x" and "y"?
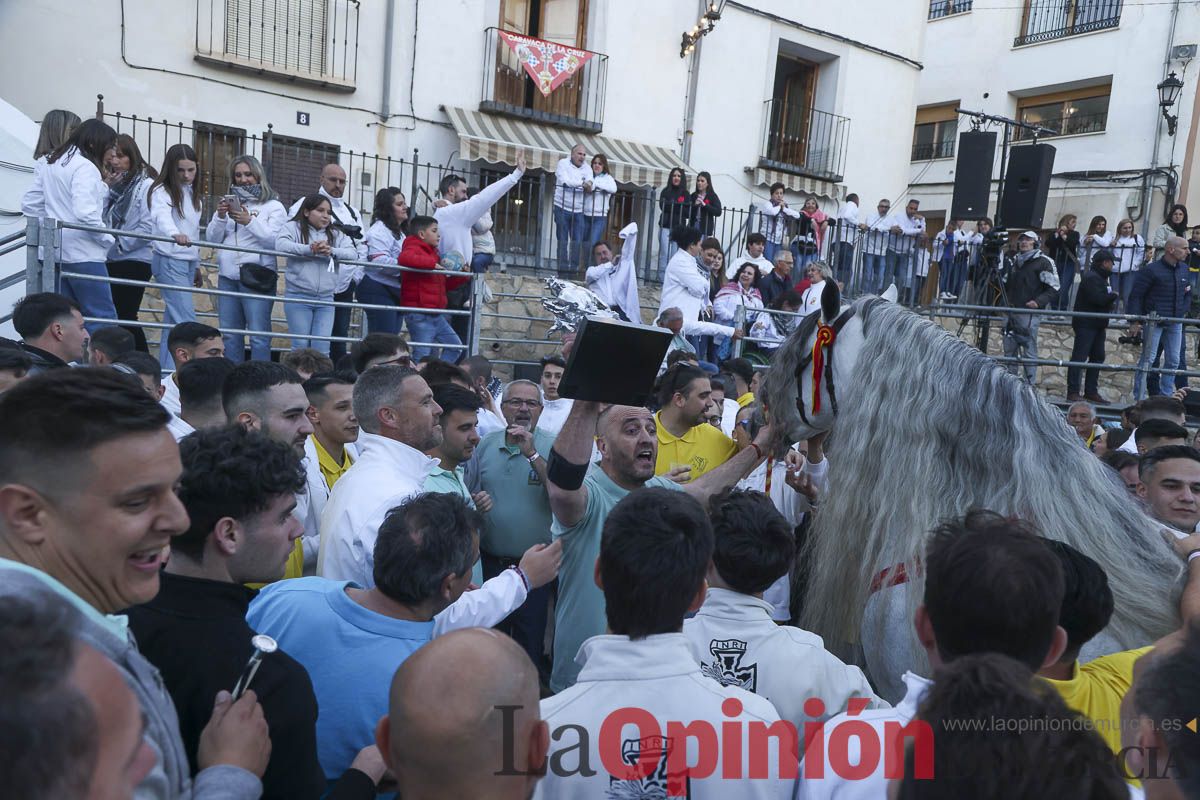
{"x": 1095, "y": 297}
{"x": 1063, "y": 248}
{"x": 418, "y": 290}
{"x": 42, "y": 361}
{"x": 675, "y": 209}
{"x": 1162, "y": 288}
{"x": 772, "y": 287}
{"x": 1024, "y": 283}
{"x": 703, "y": 216}
{"x": 195, "y": 632}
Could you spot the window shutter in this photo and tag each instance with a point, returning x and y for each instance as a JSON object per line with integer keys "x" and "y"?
{"x": 283, "y": 33}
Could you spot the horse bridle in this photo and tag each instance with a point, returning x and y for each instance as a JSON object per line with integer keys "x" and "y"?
{"x": 822, "y": 364}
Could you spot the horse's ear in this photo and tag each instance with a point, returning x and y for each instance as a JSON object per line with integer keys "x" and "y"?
{"x": 831, "y": 301}
{"x": 891, "y": 294}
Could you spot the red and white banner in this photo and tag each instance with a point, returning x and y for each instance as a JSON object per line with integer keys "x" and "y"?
{"x": 548, "y": 63}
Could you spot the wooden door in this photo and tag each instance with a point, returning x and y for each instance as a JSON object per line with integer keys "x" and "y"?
{"x": 510, "y": 75}
{"x": 791, "y": 116}
{"x": 563, "y": 22}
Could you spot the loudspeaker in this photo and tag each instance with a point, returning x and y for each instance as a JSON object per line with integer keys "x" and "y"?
{"x": 1025, "y": 186}
{"x": 973, "y": 174}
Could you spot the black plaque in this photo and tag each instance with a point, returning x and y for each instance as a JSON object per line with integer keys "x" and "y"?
{"x": 614, "y": 362}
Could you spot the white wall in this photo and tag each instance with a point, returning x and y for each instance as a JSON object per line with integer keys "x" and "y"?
{"x": 971, "y": 58}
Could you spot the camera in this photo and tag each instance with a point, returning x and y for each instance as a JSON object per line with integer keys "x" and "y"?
{"x": 352, "y": 231}
{"x": 994, "y": 241}
{"x": 1134, "y": 339}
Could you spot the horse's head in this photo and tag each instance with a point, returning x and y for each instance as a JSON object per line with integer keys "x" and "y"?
{"x": 810, "y": 373}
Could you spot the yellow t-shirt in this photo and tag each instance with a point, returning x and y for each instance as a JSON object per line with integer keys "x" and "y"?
{"x": 703, "y": 448}
{"x": 1095, "y": 690}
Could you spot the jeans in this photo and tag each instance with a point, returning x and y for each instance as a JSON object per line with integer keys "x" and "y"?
{"x": 93, "y": 297}
{"x": 431, "y": 328}
{"x": 1122, "y": 284}
{"x": 526, "y": 625}
{"x": 593, "y": 229}
{"x": 128, "y": 299}
{"x": 1066, "y": 282}
{"x": 666, "y": 249}
{"x": 341, "y": 323}
{"x": 308, "y": 319}
{"x": 799, "y": 259}
{"x": 374, "y": 293}
{"x": 1020, "y": 339}
{"x": 896, "y": 267}
{"x": 770, "y": 249}
{"x": 179, "y": 305}
{"x": 952, "y": 273}
{"x": 1089, "y": 346}
{"x": 843, "y": 262}
{"x": 248, "y": 311}
{"x": 482, "y": 262}
{"x": 873, "y": 267}
{"x": 570, "y": 227}
{"x": 1153, "y": 378}
{"x": 1152, "y": 335}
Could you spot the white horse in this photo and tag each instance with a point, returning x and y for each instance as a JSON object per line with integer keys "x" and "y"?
{"x": 927, "y": 428}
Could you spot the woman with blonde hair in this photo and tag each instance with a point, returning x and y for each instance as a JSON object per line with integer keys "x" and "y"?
{"x": 250, "y": 215}
{"x": 1129, "y": 253}
{"x": 57, "y": 127}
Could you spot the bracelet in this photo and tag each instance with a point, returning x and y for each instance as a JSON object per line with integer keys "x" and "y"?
{"x": 1193, "y": 555}
{"x": 757, "y": 450}
{"x": 516, "y": 568}
{"x": 536, "y": 455}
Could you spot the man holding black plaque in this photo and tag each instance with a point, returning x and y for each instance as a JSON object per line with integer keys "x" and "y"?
{"x": 581, "y": 498}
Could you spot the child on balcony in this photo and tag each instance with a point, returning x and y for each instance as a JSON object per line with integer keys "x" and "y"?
{"x": 312, "y": 273}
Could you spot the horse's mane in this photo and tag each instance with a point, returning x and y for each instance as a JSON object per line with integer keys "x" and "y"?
{"x": 929, "y": 428}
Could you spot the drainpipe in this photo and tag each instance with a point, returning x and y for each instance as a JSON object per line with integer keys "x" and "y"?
{"x": 385, "y": 107}
{"x": 1148, "y": 181}
{"x": 689, "y": 114}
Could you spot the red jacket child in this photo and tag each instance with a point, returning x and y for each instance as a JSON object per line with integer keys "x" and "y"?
{"x": 418, "y": 290}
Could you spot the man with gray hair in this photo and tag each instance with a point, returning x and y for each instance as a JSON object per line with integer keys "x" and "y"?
{"x": 1161, "y": 287}
{"x": 1031, "y": 282}
{"x": 510, "y": 465}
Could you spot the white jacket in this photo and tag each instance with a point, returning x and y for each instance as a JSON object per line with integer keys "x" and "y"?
{"x": 659, "y": 675}
{"x": 764, "y": 266}
{"x": 847, "y": 222}
{"x": 738, "y": 644}
{"x": 70, "y": 190}
{"x": 265, "y": 221}
{"x": 616, "y": 283}
{"x": 171, "y": 221}
{"x": 597, "y": 201}
{"x": 568, "y": 184}
{"x": 1130, "y": 253}
{"x": 315, "y": 499}
{"x": 684, "y": 286}
{"x": 771, "y": 223}
{"x": 456, "y": 219}
{"x": 128, "y": 248}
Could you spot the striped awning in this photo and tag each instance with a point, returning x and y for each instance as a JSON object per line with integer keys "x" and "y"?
{"x": 499, "y": 139}
{"x": 798, "y": 183}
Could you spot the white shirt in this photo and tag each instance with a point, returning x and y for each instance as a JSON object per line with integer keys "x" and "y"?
{"x": 616, "y": 283}
{"x": 171, "y": 221}
{"x": 878, "y": 234}
{"x": 568, "y": 184}
{"x": 170, "y": 399}
{"x": 383, "y": 249}
{"x": 266, "y": 219}
{"x": 657, "y": 674}
{"x": 738, "y": 644}
{"x": 684, "y": 286}
{"x": 873, "y": 786}
{"x": 315, "y": 499}
{"x": 387, "y": 472}
{"x": 554, "y": 414}
{"x": 1130, "y": 444}
{"x": 347, "y": 215}
{"x": 847, "y": 221}
{"x": 729, "y": 412}
{"x": 771, "y": 223}
{"x": 902, "y": 242}
{"x": 764, "y": 266}
{"x": 456, "y": 219}
{"x": 70, "y": 190}
{"x": 179, "y": 427}
{"x": 921, "y": 262}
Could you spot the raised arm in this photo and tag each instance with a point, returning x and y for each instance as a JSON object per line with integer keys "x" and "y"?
{"x": 573, "y": 445}
{"x": 470, "y": 210}
{"x": 731, "y": 471}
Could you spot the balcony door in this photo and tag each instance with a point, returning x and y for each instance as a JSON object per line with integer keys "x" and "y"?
{"x": 791, "y": 110}
{"x": 561, "y": 21}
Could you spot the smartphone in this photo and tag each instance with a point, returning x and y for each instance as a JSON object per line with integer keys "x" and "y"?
{"x": 234, "y": 203}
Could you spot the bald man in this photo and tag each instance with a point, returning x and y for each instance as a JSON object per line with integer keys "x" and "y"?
{"x": 1161, "y": 287}
{"x": 581, "y": 498}
{"x": 482, "y": 738}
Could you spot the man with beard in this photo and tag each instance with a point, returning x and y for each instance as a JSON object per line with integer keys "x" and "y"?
{"x": 511, "y": 465}
{"x": 582, "y": 497}
{"x": 1031, "y": 281}
{"x": 268, "y": 397}
{"x": 460, "y": 435}
{"x": 685, "y": 439}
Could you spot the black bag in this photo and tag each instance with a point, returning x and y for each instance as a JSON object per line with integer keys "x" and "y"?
{"x": 259, "y": 279}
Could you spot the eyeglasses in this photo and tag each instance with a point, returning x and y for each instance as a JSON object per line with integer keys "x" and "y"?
{"x": 518, "y": 403}
{"x": 404, "y": 361}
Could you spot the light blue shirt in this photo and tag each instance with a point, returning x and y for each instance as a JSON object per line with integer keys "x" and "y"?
{"x": 350, "y": 653}
{"x": 580, "y": 613}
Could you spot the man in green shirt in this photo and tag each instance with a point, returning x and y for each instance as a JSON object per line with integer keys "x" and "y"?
{"x": 581, "y": 498}
{"x": 511, "y": 465}
{"x": 460, "y": 416}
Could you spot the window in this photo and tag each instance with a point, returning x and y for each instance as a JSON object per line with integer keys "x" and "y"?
{"x": 216, "y": 146}
{"x": 944, "y": 8}
{"x": 294, "y": 166}
{"x": 1045, "y": 20}
{"x": 935, "y": 132}
{"x": 1068, "y": 113}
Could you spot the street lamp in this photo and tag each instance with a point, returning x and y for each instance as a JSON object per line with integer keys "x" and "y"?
{"x": 703, "y": 28}
{"x": 1168, "y": 93}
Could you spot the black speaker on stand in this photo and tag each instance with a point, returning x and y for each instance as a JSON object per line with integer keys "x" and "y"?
{"x": 1026, "y": 184}
{"x": 973, "y": 174}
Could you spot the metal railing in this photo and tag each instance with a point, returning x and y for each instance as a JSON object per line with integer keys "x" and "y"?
{"x": 1066, "y": 125}
{"x": 1045, "y": 20}
{"x": 799, "y": 138}
{"x": 578, "y": 102}
{"x": 931, "y": 150}
{"x": 305, "y": 41}
{"x": 945, "y": 8}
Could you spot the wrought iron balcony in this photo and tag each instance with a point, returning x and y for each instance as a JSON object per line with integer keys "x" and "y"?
{"x": 1045, "y": 20}
{"x": 1069, "y": 125}
{"x": 945, "y": 8}
{"x": 314, "y": 42}
{"x": 801, "y": 139}
{"x": 927, "y": 151}
{"x": 578, "y": 102}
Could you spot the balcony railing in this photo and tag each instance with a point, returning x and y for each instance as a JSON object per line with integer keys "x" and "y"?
{"x": 1069, "y": 125}
{"x": 930, "y": 150}
{"x": 944, "y": 8}
{"x": 1045, "y": 20}
{"x": 507, "y": 89}
{"x": 313, "y": 42}
{"x": 801, "y": 139}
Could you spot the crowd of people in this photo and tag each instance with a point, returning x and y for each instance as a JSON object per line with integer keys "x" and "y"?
{"x": 384, "y": 572}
